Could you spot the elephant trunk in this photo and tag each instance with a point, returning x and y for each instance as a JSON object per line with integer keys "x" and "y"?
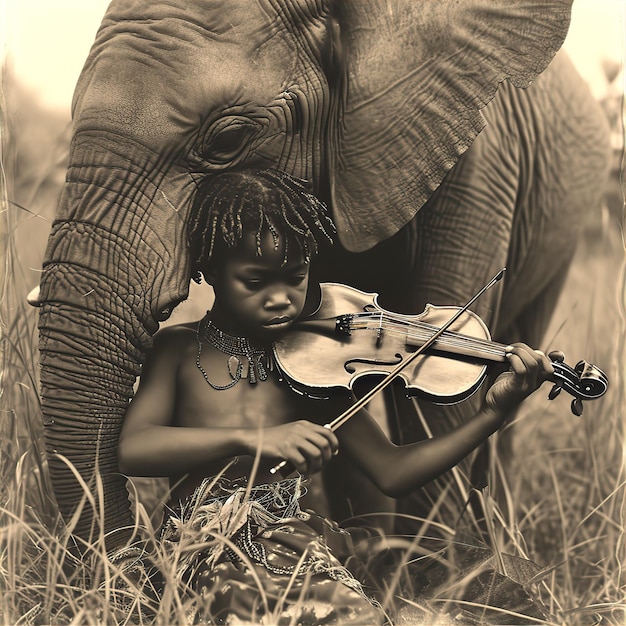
{"x": 86, "y": 380}
{"x": 106, "y": 277}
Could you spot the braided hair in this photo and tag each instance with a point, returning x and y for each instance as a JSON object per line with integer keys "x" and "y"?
{"x": 230, "y": 204}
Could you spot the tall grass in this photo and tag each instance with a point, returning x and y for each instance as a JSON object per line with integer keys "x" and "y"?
{"x": 565, "y": 492}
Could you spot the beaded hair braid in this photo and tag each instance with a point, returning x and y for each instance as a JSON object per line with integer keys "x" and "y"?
{"x": 229, "y": 204}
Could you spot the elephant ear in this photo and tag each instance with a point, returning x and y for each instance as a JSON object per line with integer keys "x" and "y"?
{"x": 418, "y": 72}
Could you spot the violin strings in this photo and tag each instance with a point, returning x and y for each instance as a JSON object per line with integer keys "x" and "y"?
{"x": 478, "y": 346}
{"x": 399, "y": 324}
{"x": 405, "y": 321}
{"x": 452, "y": 342}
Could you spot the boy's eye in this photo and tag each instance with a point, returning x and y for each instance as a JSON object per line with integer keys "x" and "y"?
{"x": 297, "y": 279}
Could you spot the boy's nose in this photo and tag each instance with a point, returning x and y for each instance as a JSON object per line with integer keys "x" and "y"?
{"x": 277, "y": 299}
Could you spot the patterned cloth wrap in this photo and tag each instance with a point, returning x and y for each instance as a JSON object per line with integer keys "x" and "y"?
{"x": 251, "y": 554}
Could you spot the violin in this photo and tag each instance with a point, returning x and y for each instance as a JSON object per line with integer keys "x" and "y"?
{"x": 442, "y": 353}
{"x": 350, "y": 336}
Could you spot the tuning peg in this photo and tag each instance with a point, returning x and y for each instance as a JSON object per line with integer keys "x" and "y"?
{"x": 577, "y": 407}
{"x": 554, "y": 392}
{"x": 556, "y": 356}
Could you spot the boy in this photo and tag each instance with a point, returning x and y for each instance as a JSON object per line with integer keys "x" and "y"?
{"x": 212, "y": 415}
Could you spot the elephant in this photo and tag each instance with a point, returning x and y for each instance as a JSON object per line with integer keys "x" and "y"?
{"x": 442, "y": 145}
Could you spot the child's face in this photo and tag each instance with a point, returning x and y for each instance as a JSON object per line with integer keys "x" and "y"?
{"x": 258, "y": 295}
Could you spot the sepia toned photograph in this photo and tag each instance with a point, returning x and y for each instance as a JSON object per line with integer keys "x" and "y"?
{"x": 312, "y": 312}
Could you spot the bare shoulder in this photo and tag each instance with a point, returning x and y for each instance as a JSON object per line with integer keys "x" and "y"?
{"x": 174, "y": 339}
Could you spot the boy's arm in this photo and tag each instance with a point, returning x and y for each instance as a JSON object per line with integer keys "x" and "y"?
{"x": 398, "y": 470}
{"x": 149, "y": 444}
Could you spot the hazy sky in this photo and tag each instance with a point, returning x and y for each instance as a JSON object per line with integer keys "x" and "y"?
{"x": 48, "y": 40}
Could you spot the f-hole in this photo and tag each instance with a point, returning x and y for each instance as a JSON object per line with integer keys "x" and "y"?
{"x": 350, "y": 369}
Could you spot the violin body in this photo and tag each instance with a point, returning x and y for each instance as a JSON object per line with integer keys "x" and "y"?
{"x": 350, "y": 337}
{"x": 315, "y": 359}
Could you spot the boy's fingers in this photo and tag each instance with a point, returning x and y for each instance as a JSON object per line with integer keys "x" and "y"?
{"x": 323, "y": 436}
{"x": 545, "y": 362}
{"x": 525, "y": 361}
{"x": 320, "y": 443}
{"x": 331, "y": 438}
{"x": 521, "y": 358}
{"x": 298, "y": 461}
{"x": 312, "y": 457}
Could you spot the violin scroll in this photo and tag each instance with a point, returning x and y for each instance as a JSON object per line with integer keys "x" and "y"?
{"x": 584, "y": 382}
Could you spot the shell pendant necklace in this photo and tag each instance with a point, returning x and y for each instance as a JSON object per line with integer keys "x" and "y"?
{"x": 244, "y": 359}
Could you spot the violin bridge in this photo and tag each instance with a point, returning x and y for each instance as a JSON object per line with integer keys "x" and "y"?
{"x": 379, "y": 337}
{"x": 379, "y": 331}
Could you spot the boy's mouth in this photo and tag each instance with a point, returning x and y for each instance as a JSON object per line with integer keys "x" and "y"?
{"x": 279, "y": 322}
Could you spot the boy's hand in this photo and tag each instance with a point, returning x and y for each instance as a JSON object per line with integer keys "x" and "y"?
{"x": 528, "y": 369}
{"x": 305, "y": 445}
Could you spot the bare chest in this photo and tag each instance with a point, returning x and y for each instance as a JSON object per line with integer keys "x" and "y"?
{"x": 218, "y": 394}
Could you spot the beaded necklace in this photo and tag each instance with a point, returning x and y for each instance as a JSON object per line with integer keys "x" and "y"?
{"x": 241, "y": 354}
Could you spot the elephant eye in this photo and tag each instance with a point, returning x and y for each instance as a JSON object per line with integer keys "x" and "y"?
{"x": 228, "y": 140}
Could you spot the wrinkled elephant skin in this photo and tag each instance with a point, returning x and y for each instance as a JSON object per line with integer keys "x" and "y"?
{"x": 374, "y": 103}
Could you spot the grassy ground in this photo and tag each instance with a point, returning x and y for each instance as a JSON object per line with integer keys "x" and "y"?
{"x": 568, "y": 473}
{"x": 566, "y": 490}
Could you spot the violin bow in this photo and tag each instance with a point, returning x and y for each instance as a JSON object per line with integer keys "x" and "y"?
{"x": 393, "y": 374}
